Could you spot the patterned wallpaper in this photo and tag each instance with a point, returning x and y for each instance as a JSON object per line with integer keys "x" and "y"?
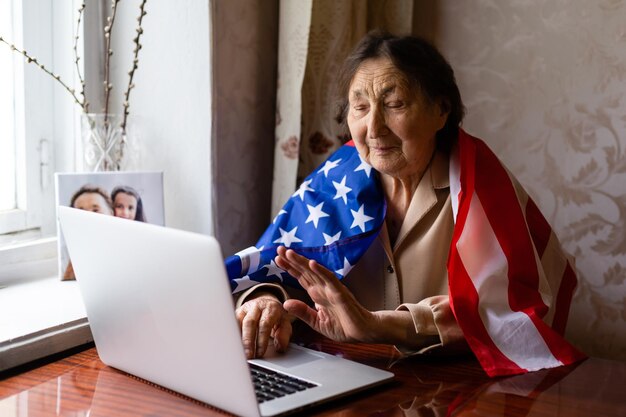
{"x": 544, "y": 83}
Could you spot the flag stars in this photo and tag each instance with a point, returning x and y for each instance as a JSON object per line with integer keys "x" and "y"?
{"x": 342, "y": 190}
{"x": 331, "y": 239}
{"x": 287, "y": 238}
{"x": 274, "y": 270}
{"x": 315, "y": 213}
{"x": 244, "y": 283}
{"x": 360, "y": 218}
{"x": 304, "y": 187}
{"x": 328, "y": 166}
{"x": 346, "y": 268}
{"x": 364, "y": 166}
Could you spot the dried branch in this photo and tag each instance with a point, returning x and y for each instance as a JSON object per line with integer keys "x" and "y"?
{"x": 107, "y": 58}
{"x": 131, "y": 73}
{"x": 84, "y": 104}
{"x": 32, "y": 59}
{"x": 77, "y": 58}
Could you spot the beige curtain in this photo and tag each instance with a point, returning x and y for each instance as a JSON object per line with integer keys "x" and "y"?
{"x": 314, "y": 38}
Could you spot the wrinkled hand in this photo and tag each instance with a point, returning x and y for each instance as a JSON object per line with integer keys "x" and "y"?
{"x": 260, "y": 319}
{"x": 337, "y": 314}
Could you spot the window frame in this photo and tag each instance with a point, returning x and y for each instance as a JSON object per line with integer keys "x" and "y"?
{"x": 46, "y": 125}
{"x": 33, "y": 124}
{"x": 28, "y": 259}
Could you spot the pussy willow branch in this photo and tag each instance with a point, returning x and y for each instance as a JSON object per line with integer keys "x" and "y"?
{"x": 107, "y": 58}
{"x": 32, "y": 59}
{"x": 77, "y": 58}
{"x": 131, "y": 73}
{"x": 84, "y": 104}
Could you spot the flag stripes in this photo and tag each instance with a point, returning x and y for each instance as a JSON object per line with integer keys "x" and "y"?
{"x": 487, "y": 267}
{"x": 539, "y": 228}
{"x": 496, "y": 269}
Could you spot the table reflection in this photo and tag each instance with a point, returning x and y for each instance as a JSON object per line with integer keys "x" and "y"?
{"x": 438, "y": 400}
{"x": 93, "y": 390}
{"x": 70, "y": 394}
{"x": 582, "y": 389}
{"x": 81, "y": 385}
{"x": 140, "y": 398}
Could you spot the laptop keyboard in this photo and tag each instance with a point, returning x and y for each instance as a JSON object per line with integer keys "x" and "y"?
{"x": 271, "y": 384}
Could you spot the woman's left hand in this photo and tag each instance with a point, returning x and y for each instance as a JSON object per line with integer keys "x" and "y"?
{"x": 337, "y": 314}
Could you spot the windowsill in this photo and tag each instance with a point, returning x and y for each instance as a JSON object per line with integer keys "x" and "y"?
{"x": 39, "y": 318}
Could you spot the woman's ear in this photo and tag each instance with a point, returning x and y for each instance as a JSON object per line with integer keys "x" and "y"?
{"x": 442, "y": 108}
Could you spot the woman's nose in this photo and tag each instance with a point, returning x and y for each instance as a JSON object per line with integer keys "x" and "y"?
{"x": 377, "y": 125}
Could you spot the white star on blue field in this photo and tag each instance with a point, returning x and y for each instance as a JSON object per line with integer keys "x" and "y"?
{"x": 332, "y": 217}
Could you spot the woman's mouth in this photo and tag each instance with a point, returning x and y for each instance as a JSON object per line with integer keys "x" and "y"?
{"x": 380, "y": 150}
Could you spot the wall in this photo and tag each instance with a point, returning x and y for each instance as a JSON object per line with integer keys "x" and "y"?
{"x": 544, "y": 83}
{"x": 171, "y": 103}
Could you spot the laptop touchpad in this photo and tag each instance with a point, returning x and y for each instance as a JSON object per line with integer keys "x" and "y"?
{"x": 293, "y": 356}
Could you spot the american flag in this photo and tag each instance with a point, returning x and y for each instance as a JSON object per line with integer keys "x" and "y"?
{"x": 333, "y": 218}
{"x": 510, "y": 284}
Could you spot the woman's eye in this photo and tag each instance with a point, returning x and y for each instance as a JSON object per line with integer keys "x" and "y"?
{"x": 393, "y": 104}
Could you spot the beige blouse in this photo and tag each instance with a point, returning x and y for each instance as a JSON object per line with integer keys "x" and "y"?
{"x": 413, "y": 274}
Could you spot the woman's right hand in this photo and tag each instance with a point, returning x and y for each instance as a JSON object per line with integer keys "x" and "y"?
{"x": 260, "y": 319}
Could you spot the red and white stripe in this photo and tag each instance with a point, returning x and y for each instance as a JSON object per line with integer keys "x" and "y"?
{"x": 510, "y": 283}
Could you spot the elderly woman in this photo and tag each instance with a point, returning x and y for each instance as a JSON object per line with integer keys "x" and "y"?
{"x": 432, "y": 279}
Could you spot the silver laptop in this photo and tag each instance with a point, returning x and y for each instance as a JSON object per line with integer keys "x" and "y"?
{"x": 160, "y": 307}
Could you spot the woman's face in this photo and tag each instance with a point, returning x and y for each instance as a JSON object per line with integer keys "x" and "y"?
{"x": 392, "y": 125}
{"x": 125, "y": 205}
{"x": 92, "y": 202}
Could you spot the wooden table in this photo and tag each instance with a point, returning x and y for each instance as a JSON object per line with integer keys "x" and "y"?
{"x": 81, "y": 385}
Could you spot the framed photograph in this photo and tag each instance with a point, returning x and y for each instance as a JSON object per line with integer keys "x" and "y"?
{"x": 136, "y": 196}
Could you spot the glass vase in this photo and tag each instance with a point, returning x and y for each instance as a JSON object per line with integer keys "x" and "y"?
{"x": 105, "y": 145}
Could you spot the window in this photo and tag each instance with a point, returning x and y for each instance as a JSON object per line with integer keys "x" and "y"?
{"x": 26, "y": 127}
{"x": 7, "y": 116}
{"x": 38, "y": 124}
{"x": 12, "y": 211}
{"x": 34, "y": 133}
